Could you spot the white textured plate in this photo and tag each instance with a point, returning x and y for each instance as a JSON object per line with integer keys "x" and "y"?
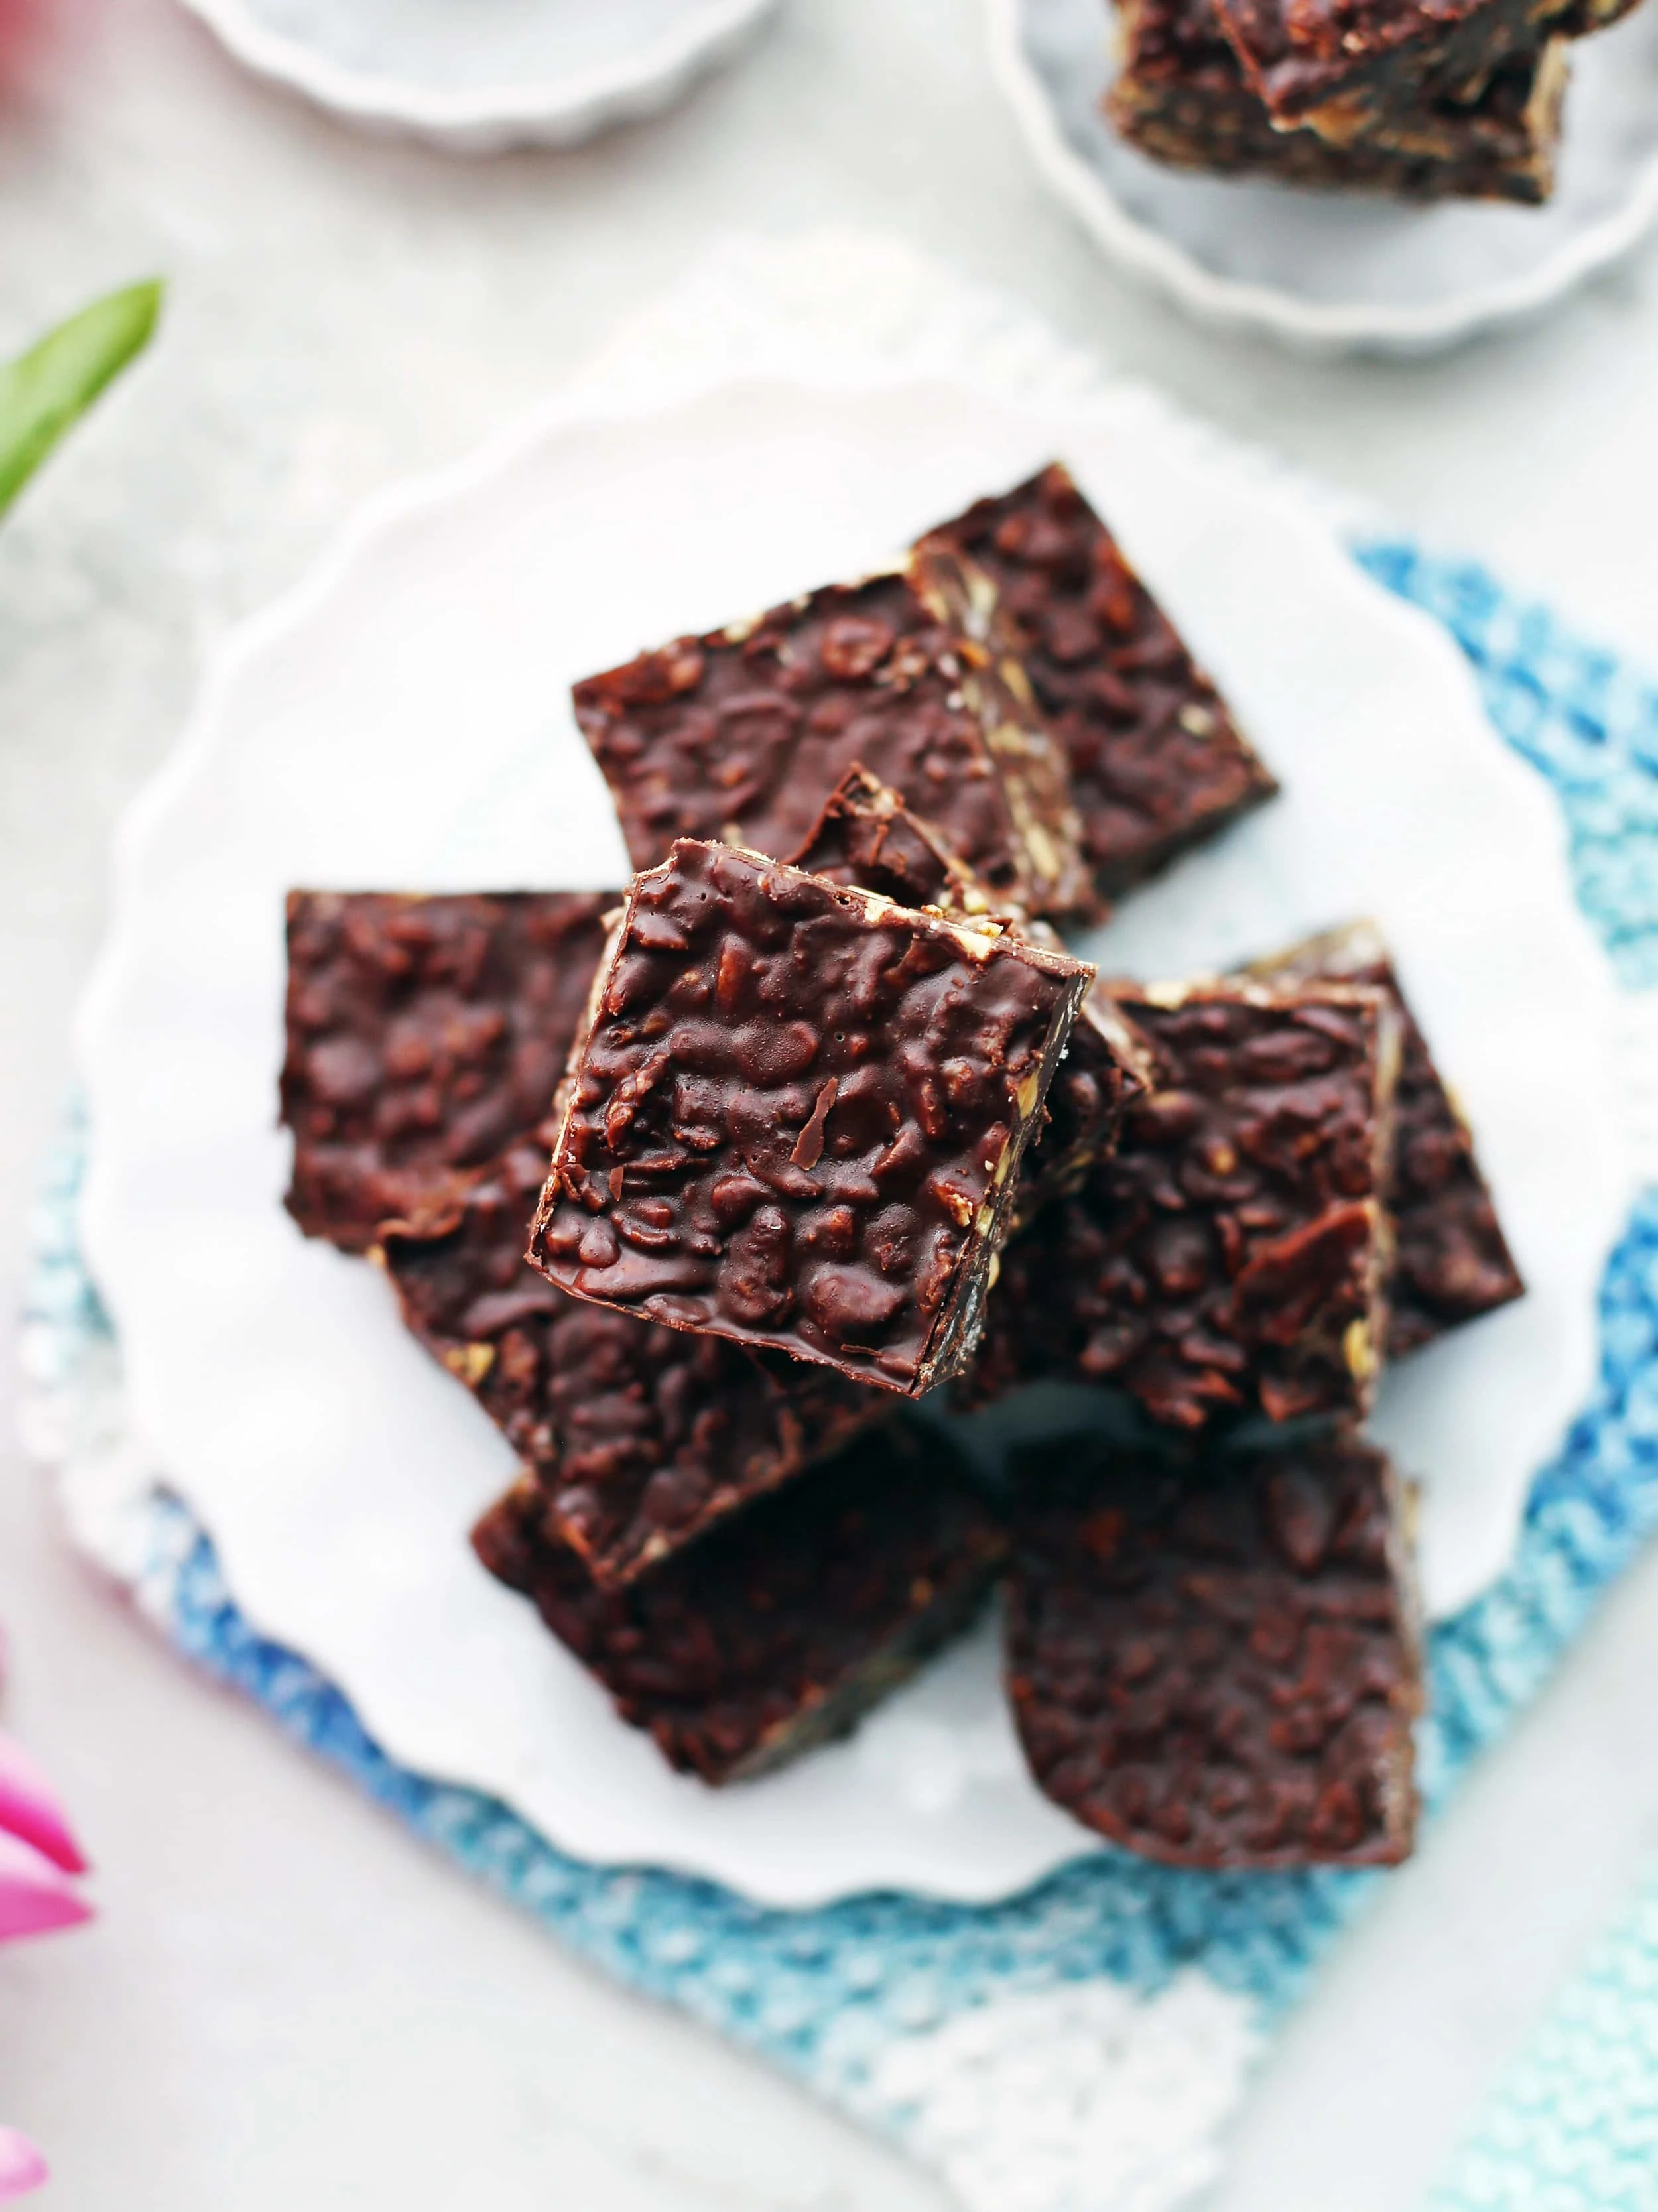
{"x": 1327, "y": 269}
{"x": 478, "y": 75}
{"x": 399, "y": 721}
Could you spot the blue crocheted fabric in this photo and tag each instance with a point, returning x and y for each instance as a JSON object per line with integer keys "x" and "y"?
{"x": 1574, "y": 2127}
{"x": 829, "y": 1993}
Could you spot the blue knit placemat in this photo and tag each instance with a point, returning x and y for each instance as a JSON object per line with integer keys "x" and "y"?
{"x": 879, "y": 2002}
{"x": 1574, "y": 2125}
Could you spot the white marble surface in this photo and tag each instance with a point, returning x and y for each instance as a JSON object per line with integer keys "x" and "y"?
{"x": 286, "y": 2001}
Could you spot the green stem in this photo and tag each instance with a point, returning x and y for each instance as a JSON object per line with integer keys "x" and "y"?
{"x": 48, "y": 389}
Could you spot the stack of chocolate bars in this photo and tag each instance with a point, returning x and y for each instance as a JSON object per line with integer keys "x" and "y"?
{"x": 1425, "y": 99}
{"x": 699, "y": 1187}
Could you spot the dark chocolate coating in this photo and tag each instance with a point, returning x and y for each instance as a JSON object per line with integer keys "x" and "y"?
{"x": 1451, "y": 1261}
{"x": 798, "y": 1116}
{"x": 1218, "y": 1666}
{"x": 1156, "y": 761}
{"x": 639, "y": 1437}
{"x": 425, "y": 1036}
{"x": 1230, "y": 1257}
{"x": 867, "y": 836}
{"x": 781, "y": 1629}
{"x": 742, "y": 735}
{"x": 1181, "y": 96}
{"x": 1355, "y": 69}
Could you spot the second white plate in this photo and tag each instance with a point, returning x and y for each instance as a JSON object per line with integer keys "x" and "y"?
{"x": 1327, "y": 269}
{"x": 480, "y": 75}
{"x": 402, "y": 720}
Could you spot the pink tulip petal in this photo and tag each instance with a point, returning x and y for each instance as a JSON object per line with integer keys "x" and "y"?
{"x": 29, "y": 1809}
{"x": 35, "y": 1896}
{"x": 21, "y": 2167}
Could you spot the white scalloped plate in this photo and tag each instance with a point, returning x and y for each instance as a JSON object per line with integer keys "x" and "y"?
{"x": 400, "y": 720}
{"x": 1323, "y": 270}
{"x": 480, "y": 75}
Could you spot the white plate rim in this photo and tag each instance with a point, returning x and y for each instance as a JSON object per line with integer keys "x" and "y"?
{"x": 558, "y": 113}
{"x": 400, "y": 503}
{"x": 1232, "y": 304}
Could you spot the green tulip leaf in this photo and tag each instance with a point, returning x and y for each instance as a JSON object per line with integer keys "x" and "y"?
{"x": 47, "y": 390}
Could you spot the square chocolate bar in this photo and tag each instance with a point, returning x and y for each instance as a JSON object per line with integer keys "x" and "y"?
{"x": 1156, "y": 761}
{"x": 867, "y": 836}
{"x": 1231, "y": 1255}
{"x": 780, "y": 1630}
{"x": 1182, "y": 97}
{"x": 640, "y": 1438}
{"x": 1451, "y": 1260}
{"x": 742, "y": 735}
{"x": 798, "y": 1115}
{"x": 1218, "y": 1664}
{"x": 425, "y": 1036}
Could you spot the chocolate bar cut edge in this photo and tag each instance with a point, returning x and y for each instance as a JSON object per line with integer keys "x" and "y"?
{"x": 1452, "y": 1261}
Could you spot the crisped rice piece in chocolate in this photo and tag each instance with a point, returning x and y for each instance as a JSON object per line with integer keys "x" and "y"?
{"x": 425, "y": 1036}
{"x": 743, "y": 734}
{"x": 1231, "y": 1255}
{"x": 1156, "y": 761}
{"x": 1451, "y": 1260}
{"x": 639, "y": 1437}
{"x": 780, "y": 1630}
{"x": 798, "y": 1115}
{"x": 1217, "y": 1664}
{"x": 867, "y": 836}
{"x": 1180, "y": 96}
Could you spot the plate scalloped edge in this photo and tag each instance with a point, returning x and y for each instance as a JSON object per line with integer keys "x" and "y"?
{"x": 397, "y": 503}
{"x": 936, "y": 2049}
{"x": 1231, "y": 304}
{"x": 493, "y": 119}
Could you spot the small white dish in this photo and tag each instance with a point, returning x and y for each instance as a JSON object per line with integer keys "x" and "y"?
{"x": 1327, "y": 271}
{"x": 480, "y": 75}
{"x": 402, "y": 720}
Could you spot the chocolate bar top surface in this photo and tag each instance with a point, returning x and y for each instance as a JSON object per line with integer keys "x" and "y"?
{"x": 1156, "y": 760}
{"x": 1182, "y": 97}
{"x": 1218, "y": 1666}
{"x": 1452, "y": 1261}
{"x": 1351, "y": 67}
{"x": 1229, "y": 1256}
{"x": 777, "y": 1630}
{"x": 425, "y": 1035}
{"x": 867, "y": 836}
{"x": 743, "y": 734}
{"x": 798, "y": 1114}
{"x": 640, "y": 1438}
